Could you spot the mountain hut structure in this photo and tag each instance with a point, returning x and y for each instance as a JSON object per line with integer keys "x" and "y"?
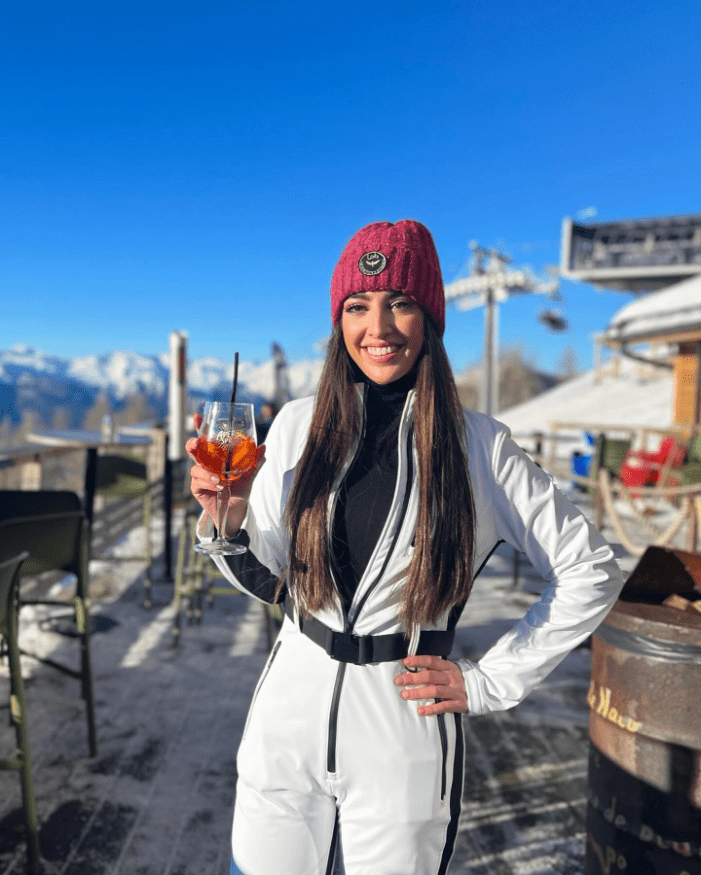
{"x": 666, "y": 324}
{"x": 658, "y": 259}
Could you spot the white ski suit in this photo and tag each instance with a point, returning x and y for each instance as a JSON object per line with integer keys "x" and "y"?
{"x": 330, "y": 745}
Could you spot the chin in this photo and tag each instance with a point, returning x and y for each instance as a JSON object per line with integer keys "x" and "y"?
{"x": 386, "y": 376}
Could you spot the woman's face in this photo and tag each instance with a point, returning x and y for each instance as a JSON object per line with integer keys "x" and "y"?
{"x": 383, "y": 333}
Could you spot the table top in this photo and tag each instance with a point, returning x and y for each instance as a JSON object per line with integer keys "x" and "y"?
{"x": 87, "y": 439}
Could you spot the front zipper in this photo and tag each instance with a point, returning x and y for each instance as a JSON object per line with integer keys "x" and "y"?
{"x": 444, "y": 752}
{"x": 333, "y": 719}
{"x": 400, "y": 523}
{"x": 260, "y": 684}
{"x": 336, "y": 698}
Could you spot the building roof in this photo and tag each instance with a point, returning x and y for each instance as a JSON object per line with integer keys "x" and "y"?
{"x": 663, "y": 315}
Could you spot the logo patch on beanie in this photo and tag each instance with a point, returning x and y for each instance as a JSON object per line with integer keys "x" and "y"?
{"x": 372, "y": 263}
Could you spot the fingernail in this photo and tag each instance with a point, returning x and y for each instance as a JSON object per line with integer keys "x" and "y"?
{"x": 421, "y": 711}
{"x": 405, "y": 694}
{"x": 214, "y": 479}
{"x": 399, "y": 680}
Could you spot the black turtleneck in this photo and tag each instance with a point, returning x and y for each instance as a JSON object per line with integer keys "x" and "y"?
{"x": 365, "y": 497}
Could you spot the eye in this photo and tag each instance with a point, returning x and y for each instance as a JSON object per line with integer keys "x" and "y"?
{"x": 354, "y": 308}
{"x": 403, "y": 304}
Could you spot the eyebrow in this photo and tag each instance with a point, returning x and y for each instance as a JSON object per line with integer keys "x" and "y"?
{"x": 366, "y": 295}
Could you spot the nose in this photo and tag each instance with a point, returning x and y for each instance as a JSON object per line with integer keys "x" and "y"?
{"x": 380, "y": 320}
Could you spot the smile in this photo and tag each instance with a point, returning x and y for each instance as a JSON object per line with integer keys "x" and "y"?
{"x": 381, "y": 350}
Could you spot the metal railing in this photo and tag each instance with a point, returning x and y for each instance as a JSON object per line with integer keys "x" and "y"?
{"x": 33, "y": 466}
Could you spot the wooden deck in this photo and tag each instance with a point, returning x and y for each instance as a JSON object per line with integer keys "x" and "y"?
{"x": 158, "y": 798}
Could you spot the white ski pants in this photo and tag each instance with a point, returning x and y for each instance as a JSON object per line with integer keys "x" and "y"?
{"x": 330, "y": 749}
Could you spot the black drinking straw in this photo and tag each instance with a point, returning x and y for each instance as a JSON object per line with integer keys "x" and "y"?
{"x": 236, "y": 378}
{"x": 231, "y": 412}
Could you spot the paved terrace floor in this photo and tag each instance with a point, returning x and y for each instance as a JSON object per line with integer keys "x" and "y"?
{"x": 158, "y": 798}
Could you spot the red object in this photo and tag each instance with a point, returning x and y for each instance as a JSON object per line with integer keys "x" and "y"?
{"x": 642, "y": 468}
{"x": 384, "y": 257}
{"x": 668, "y": 447}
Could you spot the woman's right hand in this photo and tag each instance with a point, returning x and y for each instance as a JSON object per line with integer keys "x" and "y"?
{"x": 206, "y": 486}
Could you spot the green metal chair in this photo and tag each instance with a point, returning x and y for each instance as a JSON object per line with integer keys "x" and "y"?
{"x": 52, "y": 527}
{"x": 122, "y": 477}
{"x": 609, "y": 454}
{"x": 21, "y": 762}
{"x": 194, "y": 584}
{"x": 690, "y": 471}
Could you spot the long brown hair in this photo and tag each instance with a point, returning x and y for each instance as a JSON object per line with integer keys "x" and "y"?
{"x": 440, "y": 571}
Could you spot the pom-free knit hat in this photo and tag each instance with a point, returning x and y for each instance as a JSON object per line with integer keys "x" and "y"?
{"x": 385, "y": 257}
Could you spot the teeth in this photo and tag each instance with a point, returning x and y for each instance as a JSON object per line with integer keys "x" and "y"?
{"x": 381, "y": 350}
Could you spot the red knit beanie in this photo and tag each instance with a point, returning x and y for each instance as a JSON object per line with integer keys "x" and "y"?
{"x": 384, "y": 257}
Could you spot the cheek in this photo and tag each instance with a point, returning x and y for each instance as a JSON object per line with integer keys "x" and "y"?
{"x": 349, "y": 336}
{"x": 415, "y": 336}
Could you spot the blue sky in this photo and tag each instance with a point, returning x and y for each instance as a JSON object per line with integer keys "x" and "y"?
{"x": 199, "y": 166}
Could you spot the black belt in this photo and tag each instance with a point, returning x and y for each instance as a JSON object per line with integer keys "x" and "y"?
{"x": 363, "y": 649}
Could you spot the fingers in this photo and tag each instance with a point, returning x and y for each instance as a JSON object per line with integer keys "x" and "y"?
{"x": 426, "y": 662}
{"x": 444, "y": 706}
{"x": 190, "y": 443}
{"x": 435, "y": 678}
{"x": 190, "y": 448}
{"x": 204, "y": 481}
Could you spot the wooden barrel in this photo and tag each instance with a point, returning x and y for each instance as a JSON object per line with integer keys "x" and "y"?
{"x": 644, "y": 811}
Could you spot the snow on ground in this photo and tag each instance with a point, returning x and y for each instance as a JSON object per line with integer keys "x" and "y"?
{"x": 636, "y": 396}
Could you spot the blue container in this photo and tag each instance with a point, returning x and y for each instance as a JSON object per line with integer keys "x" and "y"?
{"x": 580, "y": 464}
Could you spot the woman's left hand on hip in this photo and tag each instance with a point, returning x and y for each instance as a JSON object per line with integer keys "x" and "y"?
{"x": 432, "y": 677}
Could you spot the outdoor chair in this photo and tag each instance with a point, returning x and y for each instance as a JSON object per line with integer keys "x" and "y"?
{"x": 21, "y": 762}
{"x": 122, "y": 477}
{"x": 52, "y": 527}
{"x": 194, "y": 584}
{"x": 189, "y": 577}
{"x": 609, "y": 454}
{"x": 641, "y": 468}
{"x": 689, "y": 471}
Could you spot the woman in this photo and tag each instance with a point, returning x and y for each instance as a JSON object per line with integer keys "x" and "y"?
{"x": 378, "y": 502}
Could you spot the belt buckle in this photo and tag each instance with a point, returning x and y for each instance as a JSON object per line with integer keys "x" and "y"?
{"x": 339, "y": 645}
{"x": 330, "y": 642}
{"x": 365, "y": 649}
{"x": 344, "y": 647}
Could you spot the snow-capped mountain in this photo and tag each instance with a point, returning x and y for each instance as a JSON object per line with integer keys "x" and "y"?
{"x": 32, "y": 380}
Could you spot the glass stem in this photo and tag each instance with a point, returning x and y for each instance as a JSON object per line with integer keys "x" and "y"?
{"x": 222, "y": 510}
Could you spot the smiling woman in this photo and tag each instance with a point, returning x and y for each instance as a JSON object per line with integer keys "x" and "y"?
{"x": 378, "y": 502}
{"x": 383, "y": 333}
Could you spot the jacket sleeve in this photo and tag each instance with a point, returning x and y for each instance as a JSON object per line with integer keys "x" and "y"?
{"x": 529, "y": 512}
{"x": 258, "y": 570}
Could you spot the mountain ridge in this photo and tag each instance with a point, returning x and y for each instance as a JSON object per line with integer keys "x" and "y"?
{"x": 37, "y": 381}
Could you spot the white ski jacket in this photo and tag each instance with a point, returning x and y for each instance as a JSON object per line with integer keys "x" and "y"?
{"x": 514, "y": 501}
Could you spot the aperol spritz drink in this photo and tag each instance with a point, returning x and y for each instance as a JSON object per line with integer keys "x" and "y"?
{"x": 226, "y": 446}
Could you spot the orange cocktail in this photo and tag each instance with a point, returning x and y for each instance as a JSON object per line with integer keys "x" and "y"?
{"x": 212, "y": 455}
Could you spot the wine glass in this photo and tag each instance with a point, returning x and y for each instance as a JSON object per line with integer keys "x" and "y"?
{"x": 226, "y": 446}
